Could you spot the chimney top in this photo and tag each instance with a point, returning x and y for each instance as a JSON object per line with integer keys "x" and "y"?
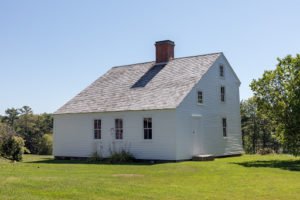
{"x": 165, "y": 42}
{"x": 164, "y": 51}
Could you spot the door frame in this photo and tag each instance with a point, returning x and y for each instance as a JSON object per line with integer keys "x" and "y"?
{"x": 196, "y": 131}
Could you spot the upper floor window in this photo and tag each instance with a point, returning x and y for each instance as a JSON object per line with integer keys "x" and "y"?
{"x": 147, "y": 128}
{"x": 97, "y": 129}
{"x": 224, "y": 127}
{"x": 221, "y": 71}
{"x": 119, "y": 129}
{"x": 222, "y": 94}
{"x": 200, "y": 97}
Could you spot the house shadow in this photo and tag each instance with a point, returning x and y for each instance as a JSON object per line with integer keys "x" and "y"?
{"x": 104, "y": 162}
{"x": 291, "y": 165}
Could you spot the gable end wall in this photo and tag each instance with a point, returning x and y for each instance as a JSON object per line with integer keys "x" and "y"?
{"x": 211, "y": 140}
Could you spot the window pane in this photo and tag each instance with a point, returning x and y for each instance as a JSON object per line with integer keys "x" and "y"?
{"x": 145, "y": 133}
{"x": 222, "y": 70}
{"x": 147, "y": 128}
{"x": 116, "y": 123}
{"x": 97, "y": 134}
{"x": 150, "y": 123}
{"x": 97, "y": 129}
{"x": 150, "y": 134}
{"x": 119, "y": 133}
{"x": 224, "y": 125}
{"x": 95, "y": 124}
{"x": 224, "y": 122}
{"x": 222, "y": 93}
{"x": 200, "y": 97}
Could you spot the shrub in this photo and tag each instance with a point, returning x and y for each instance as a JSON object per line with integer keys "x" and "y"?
{"x": 13, "y": 148}
{"x": 264, "y": 151}
{"x": 121, "y": 156}
{"x": 45, "y": 145}
{"x": 95, "y": 158}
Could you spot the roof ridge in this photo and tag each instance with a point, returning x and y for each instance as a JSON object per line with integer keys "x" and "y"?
{"x": 207, "y": 54}
{"x": 142, "y": 63}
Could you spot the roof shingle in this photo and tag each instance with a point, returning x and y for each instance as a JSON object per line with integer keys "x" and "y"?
{"x": 114, "y": 92}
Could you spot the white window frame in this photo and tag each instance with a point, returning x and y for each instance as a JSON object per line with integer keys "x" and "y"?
{"x": 119, "y": 129}
{"x": 202, "y": 97}
{"x": 147, "y": 128}
{"x": 222, "y": 71}
{"x": 224, "y": 127}
{"x": 97, "y": 129}
{"x": 223, "y": 94}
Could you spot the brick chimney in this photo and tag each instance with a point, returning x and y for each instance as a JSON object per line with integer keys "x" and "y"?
{"x": 164, "y": 51}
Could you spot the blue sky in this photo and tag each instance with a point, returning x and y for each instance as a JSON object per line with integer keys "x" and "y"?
{"x": 52, "y": 49}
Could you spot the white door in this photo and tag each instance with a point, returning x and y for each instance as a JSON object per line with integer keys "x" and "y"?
{"x": 196, "y": 131}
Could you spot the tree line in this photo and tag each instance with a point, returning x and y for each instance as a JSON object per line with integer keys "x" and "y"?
{"x": 271, "y": 118}
{"x": 22, "y": 130}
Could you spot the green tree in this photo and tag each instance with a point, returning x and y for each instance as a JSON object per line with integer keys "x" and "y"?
{"x": 13, "y": 148}
{"x": 31, "y": 127}
{"x": 12, "y": 115}
{"x": 27, "y": 127}
{"x": 45, "y": 147}
{"x": 278, "y": 97}
{"x": 5, "y": 131}
{"x": 249, "y": 125}
{"x": 26, "y": 111}
{"x": 257, "y": 129}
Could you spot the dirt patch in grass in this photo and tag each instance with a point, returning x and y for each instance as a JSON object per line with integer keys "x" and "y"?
{"x": 128, "y": 175}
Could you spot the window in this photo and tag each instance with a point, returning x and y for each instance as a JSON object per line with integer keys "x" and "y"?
{"x": 224, "y": 127}
{"x": 200, "y": 97}
{"x": 97, "y": 129}
{"x": 119, "y": 129}
{"x": 221, "y": 71}
{"x": 222, "y": 93}
{"x": 147, "y": 128}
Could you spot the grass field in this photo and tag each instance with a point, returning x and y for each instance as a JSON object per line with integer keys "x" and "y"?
{"x": 247, "y": 177}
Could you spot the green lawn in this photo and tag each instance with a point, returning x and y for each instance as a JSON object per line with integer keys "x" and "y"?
{"x": 246, "y": 177}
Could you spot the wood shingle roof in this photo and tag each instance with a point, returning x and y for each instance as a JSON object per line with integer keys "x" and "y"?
{"x": 114, "y": 90}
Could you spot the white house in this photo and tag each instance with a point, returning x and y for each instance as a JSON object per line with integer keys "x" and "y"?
{"x": 168, "y": 109}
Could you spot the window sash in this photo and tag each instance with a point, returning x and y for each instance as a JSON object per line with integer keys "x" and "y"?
{"x": 224, "y": 127}
{"x": 223, "y": 94}
{"x": 221, "y": 70}
{"x": 97, "y": 129}
{"x": 147, "y": 134}
{"x": 147, "y": 128}
{"x": 119, "y": 129}
{"x": 200, "y": 97}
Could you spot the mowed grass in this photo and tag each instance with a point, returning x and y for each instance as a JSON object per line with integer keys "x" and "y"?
{"x": 246, "y": 177}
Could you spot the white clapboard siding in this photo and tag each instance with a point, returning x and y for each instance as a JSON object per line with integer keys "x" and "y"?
{"x": 74, "y": 136}
{"x": 210, "y": 115}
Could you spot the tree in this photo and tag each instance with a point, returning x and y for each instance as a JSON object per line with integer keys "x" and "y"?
{"x": 257, "y": 130}
{"x": 249, "y": 125}
{"x": 45, "y": 147}
{"x": 11, "y": 116}
{"x": 278, "y": 97}
{"x": 5, "y": 132}
{"x": 25, "y": 112}
{"x": 13, "y": 148}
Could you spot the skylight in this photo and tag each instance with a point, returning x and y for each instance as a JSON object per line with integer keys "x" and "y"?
{"x": 148, "y": 76}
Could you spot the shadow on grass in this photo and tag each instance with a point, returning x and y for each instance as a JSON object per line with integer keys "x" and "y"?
{"x": 105, "y": 162}
{"x": 291, "y": 165}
